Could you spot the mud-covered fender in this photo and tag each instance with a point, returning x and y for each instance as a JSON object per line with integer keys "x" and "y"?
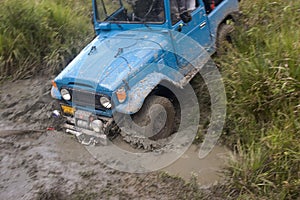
{"x": 137, "y": 94}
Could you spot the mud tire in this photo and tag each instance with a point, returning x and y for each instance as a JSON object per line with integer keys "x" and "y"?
{"x": 142, "y": 118}
{"x": 224, "y": 38}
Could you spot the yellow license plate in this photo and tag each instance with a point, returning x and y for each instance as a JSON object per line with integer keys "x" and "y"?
{"x": 68, "y": 109}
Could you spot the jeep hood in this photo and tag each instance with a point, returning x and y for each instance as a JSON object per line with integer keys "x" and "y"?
{"x": 105, "y": 63}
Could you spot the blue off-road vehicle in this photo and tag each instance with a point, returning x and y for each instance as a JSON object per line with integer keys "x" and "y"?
{"x": 134, "y": 58}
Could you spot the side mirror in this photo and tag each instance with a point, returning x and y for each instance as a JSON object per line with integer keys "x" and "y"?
{"x": 186, "y": 17}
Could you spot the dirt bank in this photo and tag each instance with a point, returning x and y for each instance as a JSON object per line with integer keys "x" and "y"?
{"x": 36, "y": 163}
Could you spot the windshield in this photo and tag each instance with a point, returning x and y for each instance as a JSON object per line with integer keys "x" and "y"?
{"x": 130, "y": 11}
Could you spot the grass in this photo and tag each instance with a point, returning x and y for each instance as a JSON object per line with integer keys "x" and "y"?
{"x": 262, "y": 77}
{"x": 41, "y": 35}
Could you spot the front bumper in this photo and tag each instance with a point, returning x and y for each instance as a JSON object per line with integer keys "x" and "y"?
{"x": 90, "y": 129}
{"x": 86, "y": 137}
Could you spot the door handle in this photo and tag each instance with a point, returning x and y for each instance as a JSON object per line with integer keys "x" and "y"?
{"x": 202, "y": 24}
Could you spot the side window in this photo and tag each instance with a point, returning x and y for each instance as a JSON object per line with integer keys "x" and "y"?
{"x": 181, "y": 9}
{"x": 174, "y": 11}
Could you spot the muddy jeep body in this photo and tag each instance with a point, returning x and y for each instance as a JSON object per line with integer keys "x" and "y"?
{"x": 120, "y": 68}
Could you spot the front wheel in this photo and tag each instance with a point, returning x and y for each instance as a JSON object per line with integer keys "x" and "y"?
{"x": 156, "y": 117}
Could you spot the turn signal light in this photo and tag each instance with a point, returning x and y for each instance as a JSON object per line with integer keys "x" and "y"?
{"x": 121, "y": 94}
{"x": 54, "y": 84}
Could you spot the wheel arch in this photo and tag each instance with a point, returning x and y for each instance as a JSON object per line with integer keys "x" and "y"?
{"x": 163, "y": 89}
{"x": 234, "y": 17}
{"x": 153, "y": 84}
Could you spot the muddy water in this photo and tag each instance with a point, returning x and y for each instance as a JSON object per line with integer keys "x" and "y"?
{"x": 207, "y": 171}
{"x": 34, "y": 161}
{"x": 55, "y": 162}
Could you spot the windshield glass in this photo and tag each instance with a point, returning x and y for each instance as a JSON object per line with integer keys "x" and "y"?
{"x": 130, "y": 11}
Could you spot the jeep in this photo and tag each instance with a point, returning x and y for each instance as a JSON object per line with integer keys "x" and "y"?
{"x": 129, "y": 66}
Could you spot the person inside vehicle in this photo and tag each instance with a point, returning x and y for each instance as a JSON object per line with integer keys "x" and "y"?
{"x": 180, "y": 9}
{"x": 150, "y": 10}
{"x": 183, "y": 10}
{"x": 211, "y": 4}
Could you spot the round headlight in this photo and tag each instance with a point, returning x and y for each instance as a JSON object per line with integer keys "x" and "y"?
{"x": 65, "y": 94}
{"x": 105, "y": 102}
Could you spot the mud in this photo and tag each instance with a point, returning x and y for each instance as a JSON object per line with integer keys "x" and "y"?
{"x": 37, "y": 163}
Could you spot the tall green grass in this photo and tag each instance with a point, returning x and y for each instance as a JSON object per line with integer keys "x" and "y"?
{"x": 262, "y": 76}
{"x": 39, "y": 35}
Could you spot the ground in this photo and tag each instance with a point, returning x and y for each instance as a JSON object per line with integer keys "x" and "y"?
{"x": 38, "y": 161}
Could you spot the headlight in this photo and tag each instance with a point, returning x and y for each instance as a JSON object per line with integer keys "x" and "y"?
{"x": 105, "y": 102}
{"x": 65, "y": 94}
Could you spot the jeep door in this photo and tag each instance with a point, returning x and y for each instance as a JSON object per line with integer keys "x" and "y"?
{"x": 198, "y": 27}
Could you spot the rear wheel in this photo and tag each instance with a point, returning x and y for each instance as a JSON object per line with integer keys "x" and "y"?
{"x": 224, "y": 40}
{"x": 157, "y": 117}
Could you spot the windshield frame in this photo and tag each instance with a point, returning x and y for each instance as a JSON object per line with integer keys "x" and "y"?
{"x": 100, "y": 4}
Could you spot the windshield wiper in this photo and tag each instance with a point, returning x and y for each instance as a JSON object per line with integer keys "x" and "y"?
{"x": 145, "y": 24}
{"x": 142, "y": 20}
{"x": 109, "y": 20}
{"x": 119, "y": 25}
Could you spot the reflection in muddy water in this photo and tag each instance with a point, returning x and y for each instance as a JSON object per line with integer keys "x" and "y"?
{"x": 207, "y": 170}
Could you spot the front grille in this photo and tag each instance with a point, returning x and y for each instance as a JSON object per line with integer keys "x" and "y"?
{"x": 87, "y": 99}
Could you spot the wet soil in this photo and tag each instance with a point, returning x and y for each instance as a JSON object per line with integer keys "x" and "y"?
{"x": 37, "y": 162}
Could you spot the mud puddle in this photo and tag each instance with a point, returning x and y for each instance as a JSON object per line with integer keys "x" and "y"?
{"x": 207, "y": 171}
{"x": 50, "y": 164}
